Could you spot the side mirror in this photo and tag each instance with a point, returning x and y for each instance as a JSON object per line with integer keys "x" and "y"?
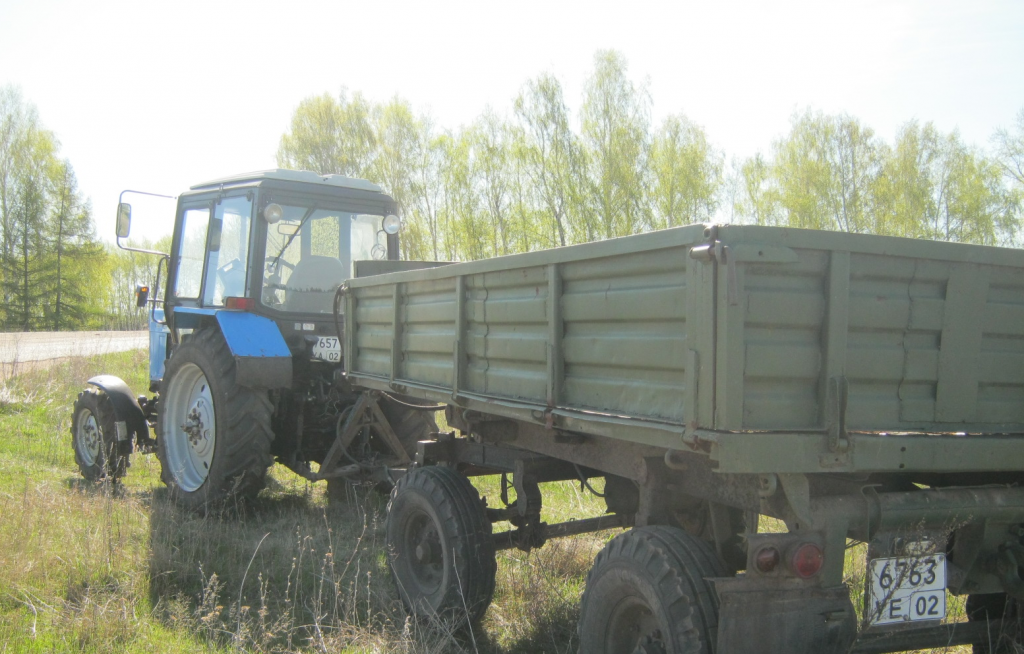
{"x": 141, "y": 295}
{"x": 124, "y": 219}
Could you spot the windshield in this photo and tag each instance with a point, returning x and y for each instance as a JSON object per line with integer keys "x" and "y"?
{"x": 309, "y": 253}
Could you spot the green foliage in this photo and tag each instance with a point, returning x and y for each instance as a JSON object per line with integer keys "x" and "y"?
{"x": 125, "y": 270}
{"x": 616, "y": 129}
{"x": 329, "y": 136}
{"x": 832, "y": 172}
{"x": 687, "y": 174}
{"x": 532, "y": 180}
{"x": 51, "y": 266}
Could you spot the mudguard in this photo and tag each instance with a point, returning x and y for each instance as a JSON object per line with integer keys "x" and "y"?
{"x": 128, "y": 417}
{"x": 262, "y": 357}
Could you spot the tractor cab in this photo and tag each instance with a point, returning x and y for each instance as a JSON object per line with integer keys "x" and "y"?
{"x": 275, "y": 244}
{"x": 271, "y": 248}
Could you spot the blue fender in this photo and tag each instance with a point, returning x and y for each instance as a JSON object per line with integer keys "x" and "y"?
{"x": 262, "y": 357}
{"x": 129, "y": 420}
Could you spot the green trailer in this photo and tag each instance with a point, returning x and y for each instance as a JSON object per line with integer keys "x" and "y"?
{"x": 849, "y": 386}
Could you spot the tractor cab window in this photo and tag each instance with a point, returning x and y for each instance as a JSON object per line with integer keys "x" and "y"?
{"x": 193, "y": 246}
{"x": 228, "y": 251}
{"x": 309, "y": 253}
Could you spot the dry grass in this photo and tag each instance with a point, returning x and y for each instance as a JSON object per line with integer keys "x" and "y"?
{"x": 90, "y": 568}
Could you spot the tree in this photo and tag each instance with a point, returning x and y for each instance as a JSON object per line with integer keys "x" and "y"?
{"x": 50, "y": 263}
{"x": 329, "y": 136}
{"x": 616, "y": 134}
{"x": 422, "y": 236}
{"x": 552, "y": 155}
{"x": 33, "y": 159}
{"x": 904, "y": 192}
{"x": 74, "y": 256}
{"x": 972, "y": 204}
{"x": 759, "y": 193}
{"x": 398, "y": 138}
{"x": 687, "y": 174}
{"x": 489, "y": 139}
{"x": 1010, "y": 150}
{"x": 824, "y": 170}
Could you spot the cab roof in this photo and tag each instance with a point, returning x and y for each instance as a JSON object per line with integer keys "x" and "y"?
{"x": 283, "y": 175}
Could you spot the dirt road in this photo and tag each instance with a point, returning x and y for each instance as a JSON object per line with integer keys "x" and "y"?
{"x": 22, "y": 347}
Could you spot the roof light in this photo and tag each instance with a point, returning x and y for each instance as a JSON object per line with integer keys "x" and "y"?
{"x": 392, "y": 224}
{"x": 273, "y": 213}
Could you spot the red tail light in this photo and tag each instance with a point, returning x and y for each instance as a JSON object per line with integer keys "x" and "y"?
{"x": 806, "y": 560}
{"x": 239, "y": 303}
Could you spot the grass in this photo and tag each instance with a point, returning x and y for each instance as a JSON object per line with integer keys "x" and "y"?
{"x": 90, "y": 568}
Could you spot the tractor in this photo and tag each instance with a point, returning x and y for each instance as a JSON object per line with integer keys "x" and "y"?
{"x": 245, "y": 359}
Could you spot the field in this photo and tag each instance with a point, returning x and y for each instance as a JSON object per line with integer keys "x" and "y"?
{"x": 89, "y": 568}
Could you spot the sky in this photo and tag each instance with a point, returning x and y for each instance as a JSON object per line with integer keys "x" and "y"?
{"x": 158, "y": 96}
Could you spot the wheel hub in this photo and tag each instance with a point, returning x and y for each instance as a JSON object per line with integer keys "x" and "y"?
{"x": 426, "y": 551}
{"x": 89, "y": 438}
{"x": 632, "y": 627}
{"x": 197, "y": 421}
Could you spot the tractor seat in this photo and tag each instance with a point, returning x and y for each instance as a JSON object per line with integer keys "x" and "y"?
{"x": 311, "y": 286}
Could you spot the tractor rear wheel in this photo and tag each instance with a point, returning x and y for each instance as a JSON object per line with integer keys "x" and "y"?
{"x": 649, "y": 592}
{"x": 94, "y": 437}
{"x": 215, "y": 434}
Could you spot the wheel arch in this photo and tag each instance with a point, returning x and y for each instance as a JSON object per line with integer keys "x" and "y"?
{"x": 262, "y": 357}
{"x": 129, "y": 419}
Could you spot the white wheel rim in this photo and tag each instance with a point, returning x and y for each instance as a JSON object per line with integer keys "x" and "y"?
{"x": 190, "y": 427}
{"x": 88, "y": 437}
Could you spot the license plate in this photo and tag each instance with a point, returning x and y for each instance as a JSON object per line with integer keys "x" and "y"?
{"x": 327, "y": 348}
{"x": 907, "y": 589}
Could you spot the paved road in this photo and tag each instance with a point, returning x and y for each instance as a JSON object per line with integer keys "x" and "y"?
{"x": 41, "y": 346}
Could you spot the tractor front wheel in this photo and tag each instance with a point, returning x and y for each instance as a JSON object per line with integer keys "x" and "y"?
{"x": 215, "y": 435}
{"x": 94, "y": 437}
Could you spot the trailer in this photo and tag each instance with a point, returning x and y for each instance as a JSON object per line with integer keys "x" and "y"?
{"x": 853, "y": 387}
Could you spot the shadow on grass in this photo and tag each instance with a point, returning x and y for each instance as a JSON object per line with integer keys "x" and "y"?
{"x": 100, "y": 488}
{"x": 288, "y": 573}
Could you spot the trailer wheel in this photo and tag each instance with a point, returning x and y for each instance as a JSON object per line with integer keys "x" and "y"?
{"x": 439, "y": 541}
{"x": 649, "y": 592}
{"x": 94, "y": 437}
{"x": 997, "y": 606}
{"x": 215, "y": 435}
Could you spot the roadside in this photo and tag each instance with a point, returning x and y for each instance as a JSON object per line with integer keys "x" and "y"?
{"x": 21, "y": 351}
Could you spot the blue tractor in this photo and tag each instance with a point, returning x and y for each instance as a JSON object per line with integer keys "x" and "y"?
{"x": 245, "y": 344}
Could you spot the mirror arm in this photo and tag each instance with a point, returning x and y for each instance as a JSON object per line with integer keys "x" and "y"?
{"x": 120, "y": 200}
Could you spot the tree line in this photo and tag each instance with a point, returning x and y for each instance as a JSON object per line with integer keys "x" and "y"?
{"x": 537, "y": 176}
